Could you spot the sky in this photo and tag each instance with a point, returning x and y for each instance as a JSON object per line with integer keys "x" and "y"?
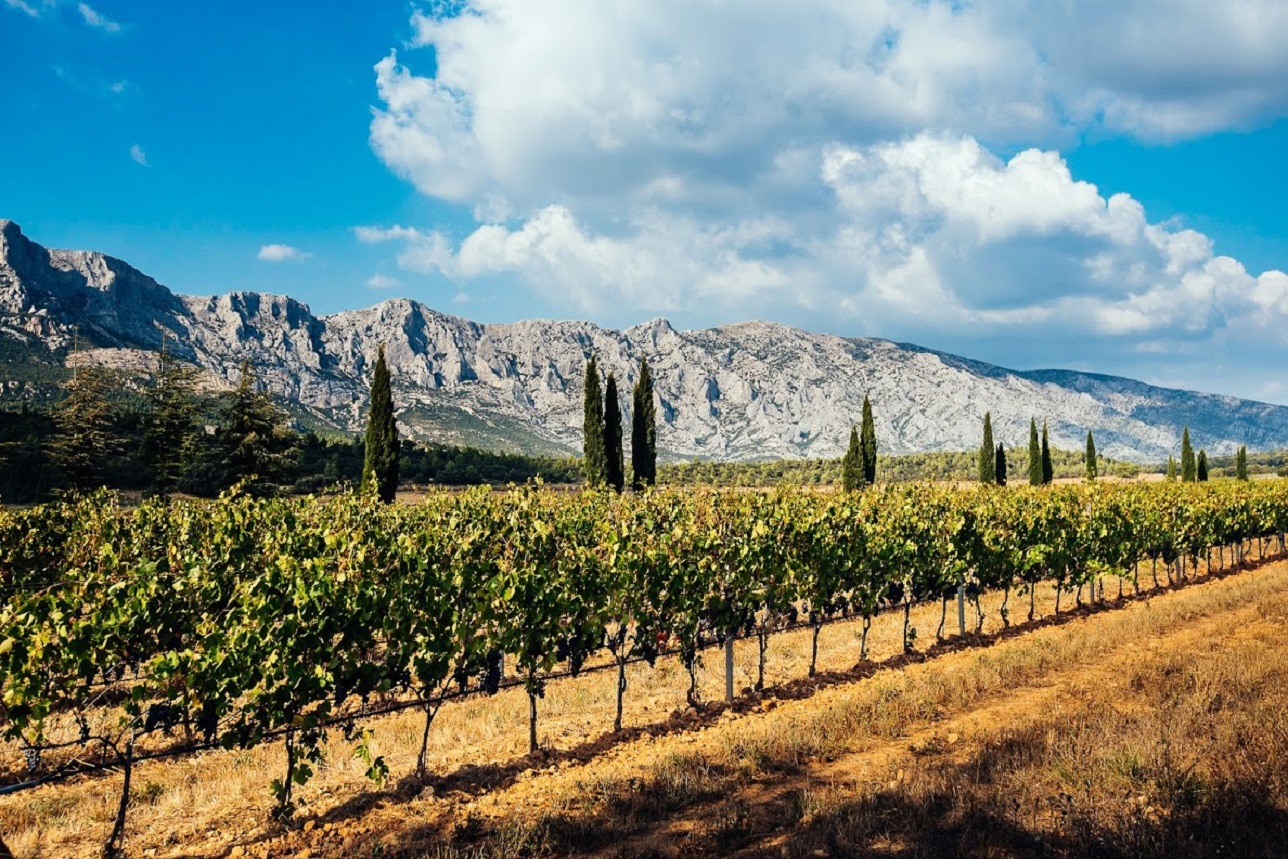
{"x": 1096, "y": 185}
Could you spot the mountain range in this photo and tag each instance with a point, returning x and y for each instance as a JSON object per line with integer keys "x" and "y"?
{"x": 745, "y": 391}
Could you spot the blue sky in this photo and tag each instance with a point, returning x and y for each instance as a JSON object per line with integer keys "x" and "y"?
{"x": 1097, "y": 185}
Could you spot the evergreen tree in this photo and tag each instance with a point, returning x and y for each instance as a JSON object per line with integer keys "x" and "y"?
{"x": 1048, "y": 468}
{"x": 614, "y": 475}
{"x": 1035, "y": 455}
{"x": 87, "y": 437}
{"x": 1241, "y": 463}
{"x": 987, "y": 467}
{"x": 852, "y": 464}
{"x": 643, "y": 430}
{"x": 1201, "y": 471}
{"x": 1092, "y": 471}
{"x": 170, "y": 422}
{"x": 258, "y": 447}
{"x": 1188, "y": 471}
{"x": 592, "y": 428}
{"x": 868, "y": 444}
{"x": 380, "y": 462}
{"x": 999, "y": 466}
{"x": 1171, "y": 468}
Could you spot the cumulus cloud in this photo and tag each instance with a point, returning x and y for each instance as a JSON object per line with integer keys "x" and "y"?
{"x": 834, "y": 162}
{"x": 138, "y": 155}
{"x": 281, "y": 253}
{"x": 383, "y": 281}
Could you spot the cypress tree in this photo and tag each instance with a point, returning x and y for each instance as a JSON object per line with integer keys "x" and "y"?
{"x": 258, "y": 446}
{"x": 852, "y": 464}
{"x": 380, "y": 465}
{"x": 1201, "y": 472}
{"x": 1048, "y": 468}
{"x": 999, "y": 466}
{"x": 592, "y": 430}
{"x": 1035, "y": 455}
{"x": 1188, "y": 471}
{"x": 643, "y": 430}
{"x": 1171, "y": 468}
{"x": 868, "y": 444}
{"x": 1092, "y": 471}
{"x": 987, "y": 466}
{"x": 1241, "y": 463}
{"x": 615, "y": 470}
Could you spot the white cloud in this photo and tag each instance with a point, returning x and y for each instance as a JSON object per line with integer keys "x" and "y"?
{"x": 140, "y": 157}
{"x": 23, "y": 6}
{"x": 833, "y": 163}
{"x": 281, "y": 253}
{"x": 96, "y": 20}
{"x": 383, "y": 281}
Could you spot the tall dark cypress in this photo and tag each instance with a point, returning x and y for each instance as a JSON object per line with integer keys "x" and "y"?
{"x": 1171, "y": 468}
{"x": 615, "y": 470}
{"x": 1048, "y": 468}
{"x": 987, "y": 452}
{"x": 1189, "y": 470}
{"x": 999, "y": 466}
{"x": 1241, "y": 463}
{"x": 1092, "y": 471}
{"x": 592, "y": 428}
{"x": 380, "y": 465}
{"x": 852, "y": 464}
{"x": 643, "y": 430}
{"x": 1201, "y": 470}
{"x": 1035, "y": 455}
{"x": 868, "y": 444}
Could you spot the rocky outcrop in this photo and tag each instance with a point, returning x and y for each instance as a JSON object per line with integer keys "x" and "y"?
{"x": 753, "y": 390}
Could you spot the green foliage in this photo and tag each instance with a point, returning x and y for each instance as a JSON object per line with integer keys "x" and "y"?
{"x": 1092, "y": 471}
{"x": 868, "y": 443}
{"x": 1035, "y": 455}
{"x": 1241, "y": 463}
{"x": 1171, "y": 468}
{"x": 592, "y": 428}
{"x": 1189, "y": 469}
{"x": 1048, "y": 467}
{"x": 643, "y": 430}
{"x": 380, "y": 464}
{"x": 999, "y": 466}
{"x": 1201, "y": 470}
{"x": 987, "y": 453}
{"x": 88, "y": 437}
{"x": 170, "y": 441}
{"x": 259, "y": 450}
{"x": 615, "y": 466}
{"x": 852, "y": 464}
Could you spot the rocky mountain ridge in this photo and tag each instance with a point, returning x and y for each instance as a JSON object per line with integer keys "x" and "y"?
{"x": 746, "y": 391}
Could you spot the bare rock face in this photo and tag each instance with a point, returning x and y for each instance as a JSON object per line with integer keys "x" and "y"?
{"x": 748, "y": 391}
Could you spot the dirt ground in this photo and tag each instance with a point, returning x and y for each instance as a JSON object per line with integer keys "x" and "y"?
{"x": 1149, "y": 727}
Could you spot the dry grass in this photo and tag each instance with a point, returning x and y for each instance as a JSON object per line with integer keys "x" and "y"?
{"x": 204, "y": 804}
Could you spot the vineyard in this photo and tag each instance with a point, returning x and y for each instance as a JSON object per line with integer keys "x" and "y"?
{"x": 129, "y": 634}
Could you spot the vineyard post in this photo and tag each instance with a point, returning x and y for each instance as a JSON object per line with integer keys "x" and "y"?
{"x": 729, "y": 668}
{"x": 961, "y": 608}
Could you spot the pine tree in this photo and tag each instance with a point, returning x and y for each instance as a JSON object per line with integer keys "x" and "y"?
{"x": 852, "y": 464}
{"x": 1092, "y": 470}
{"x": 868, "y": 444}
{"x": 380, "y": 463}
{"x": 259, "y": 449}
{"x": 1171, "y": 468}
{"x": 999, "y": 466}
{"x": 987, "y": 467}
{"x": 1035, "y": 455}
{"x": 87, "y": 437}
{"x": 170, "y": 422}
{"x": 1188, "y": 471}
{"x": 1241, "y": 463}
{"x": 1201, "y": 471}
{"x": 643, "y": 430}
{"x": 615, "y": 470}
{"x": 592, "y": 429}
{"x": 1048, "y": 468}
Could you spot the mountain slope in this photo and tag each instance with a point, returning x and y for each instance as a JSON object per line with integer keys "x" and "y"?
{"x": 746, "y": 391}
